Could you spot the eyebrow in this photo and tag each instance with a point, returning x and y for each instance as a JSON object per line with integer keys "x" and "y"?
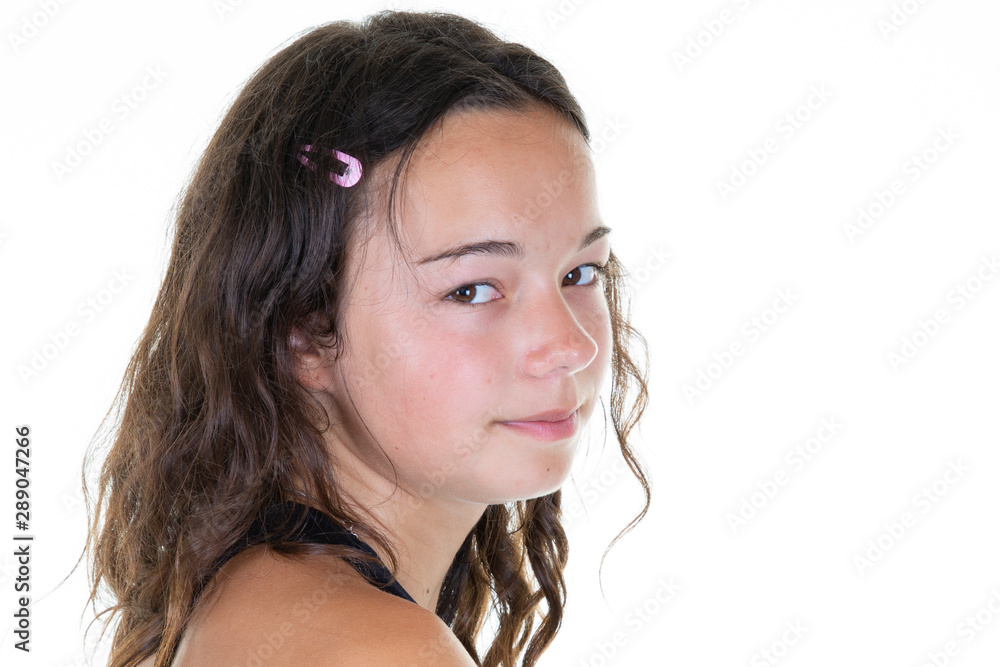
{"x": 510, "y": 249}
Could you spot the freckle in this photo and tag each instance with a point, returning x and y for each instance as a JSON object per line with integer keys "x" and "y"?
{"x": 548, "y": 469}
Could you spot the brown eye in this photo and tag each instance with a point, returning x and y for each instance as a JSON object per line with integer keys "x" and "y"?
{"x": 466, "y": 294}
{"x": 598, "y": 271}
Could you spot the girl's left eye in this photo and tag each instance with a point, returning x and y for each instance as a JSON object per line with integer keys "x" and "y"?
{"x": 470, "y": 291}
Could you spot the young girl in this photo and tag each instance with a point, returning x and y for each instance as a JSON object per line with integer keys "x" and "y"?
{"x": 390, "y": 308}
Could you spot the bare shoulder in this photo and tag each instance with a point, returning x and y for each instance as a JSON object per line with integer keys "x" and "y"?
{"x": 265, "y": 609}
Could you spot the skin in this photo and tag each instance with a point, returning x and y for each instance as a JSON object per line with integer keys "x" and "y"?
{"x": 539, "y": 342}
{"x": 432, "y": 377}
{"x": 275, "y": 611}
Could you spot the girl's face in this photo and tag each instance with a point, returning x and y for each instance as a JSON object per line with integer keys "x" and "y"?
{"x": 442, "y": 350}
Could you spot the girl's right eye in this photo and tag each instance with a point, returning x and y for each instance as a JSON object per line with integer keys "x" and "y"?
{"x": 470, "y": 292}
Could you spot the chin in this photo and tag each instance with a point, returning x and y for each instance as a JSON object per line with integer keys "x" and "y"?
{"x": 545, "y": 477}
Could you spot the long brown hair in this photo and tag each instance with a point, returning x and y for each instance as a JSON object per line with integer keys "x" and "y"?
{"x": 211, "y": 427}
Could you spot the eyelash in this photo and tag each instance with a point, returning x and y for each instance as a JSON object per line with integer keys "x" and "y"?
{"x": 601, "y": 270}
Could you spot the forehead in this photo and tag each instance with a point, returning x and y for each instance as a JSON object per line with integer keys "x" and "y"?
{"x": 497, "y": 173}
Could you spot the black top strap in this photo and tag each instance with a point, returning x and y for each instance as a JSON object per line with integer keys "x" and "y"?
{"x": 318, "y": 528}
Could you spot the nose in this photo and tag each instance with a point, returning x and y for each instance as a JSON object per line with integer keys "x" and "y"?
{"x": 557, "y": 339}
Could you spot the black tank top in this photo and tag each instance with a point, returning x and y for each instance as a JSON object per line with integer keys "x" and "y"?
{"x": 318, "y": 528}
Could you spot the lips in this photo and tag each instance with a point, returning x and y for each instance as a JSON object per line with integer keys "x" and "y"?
{"x": 552, "y": 425}
{"x": 549, "y": 416}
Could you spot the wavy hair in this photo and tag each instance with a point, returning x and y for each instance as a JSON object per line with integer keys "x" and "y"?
{"x": 211, "y": 427}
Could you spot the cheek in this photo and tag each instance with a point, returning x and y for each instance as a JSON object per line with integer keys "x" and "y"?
{"x": 442, "y": 382}
{"x": 606, "y": 344}
{"x": 445, "y": 390}
{"x": 598, "y": 326}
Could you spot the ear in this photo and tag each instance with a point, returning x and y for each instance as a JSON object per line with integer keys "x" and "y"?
{"x": 311, "y": 362}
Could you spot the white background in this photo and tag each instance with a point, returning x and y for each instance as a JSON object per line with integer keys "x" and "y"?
{"x": 672, "y": 131}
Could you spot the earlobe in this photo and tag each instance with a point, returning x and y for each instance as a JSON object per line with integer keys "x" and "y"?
{"x": 309, "y": 361}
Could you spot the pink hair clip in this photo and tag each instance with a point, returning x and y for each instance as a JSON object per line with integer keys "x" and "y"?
{"x": 350, "y": 176}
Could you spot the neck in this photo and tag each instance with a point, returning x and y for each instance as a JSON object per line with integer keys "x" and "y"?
{"x": 425, "y": 543}
{"x": 425, "y": 533}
